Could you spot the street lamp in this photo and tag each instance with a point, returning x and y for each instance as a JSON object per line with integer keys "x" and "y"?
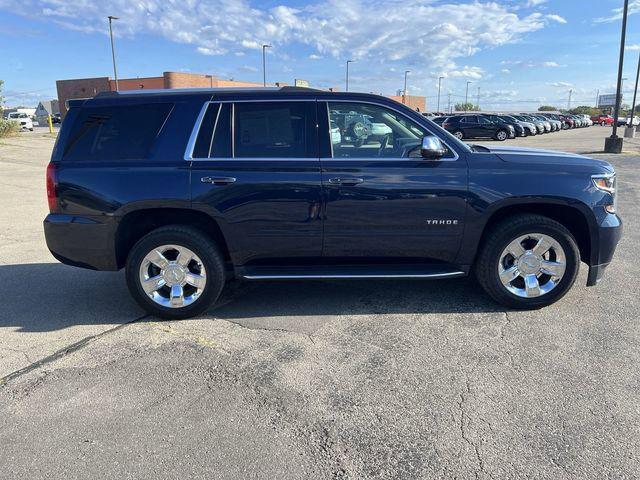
{"x": 404, "y": 92}
{"x": 466, "y": 97}
{"x": 264, "y": 65}
{"x": 635, "y": 94}
{"x": 613, "y": 144}
{"x": 113, "y": 50}
{"x": 346, "y": 86}
{"x": 439, "y": 86}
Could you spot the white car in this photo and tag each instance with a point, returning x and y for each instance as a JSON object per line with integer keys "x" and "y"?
{"x": 23, "y": 119}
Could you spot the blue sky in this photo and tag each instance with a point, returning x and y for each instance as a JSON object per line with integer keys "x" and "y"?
{"x": 521, "y": 53}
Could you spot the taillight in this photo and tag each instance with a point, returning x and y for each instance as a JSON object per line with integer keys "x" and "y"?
{"x": 52, "y": 187}
{"x": 446, "y": 125}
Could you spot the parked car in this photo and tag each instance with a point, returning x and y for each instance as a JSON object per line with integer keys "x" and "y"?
{"x": 246, "y": 184}
{"x": 25, "y": 121}
{"x": 477, "y": 126}
{"x": 624, "y": 121}
{"x": 529, "y": 128}
{"x": 556, "y": 125}
{"x": 603, "y": 120}
{"x": 537, "y": 122}
{"x": 439, "y": 120}
{"x": 501, "y": 119}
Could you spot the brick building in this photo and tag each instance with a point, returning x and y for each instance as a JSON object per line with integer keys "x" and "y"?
{"x": 89, "y": 87}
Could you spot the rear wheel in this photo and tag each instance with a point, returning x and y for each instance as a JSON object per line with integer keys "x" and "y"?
{"x": 459, "y": 134}
{"x": 502, "y": 135}
{"x": 175, "y": 272}
{"x": 528, "y": 262}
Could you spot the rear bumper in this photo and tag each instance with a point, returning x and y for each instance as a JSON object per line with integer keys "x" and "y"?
{"x": 86, "y": 242}
{"x": 609, "y": 234}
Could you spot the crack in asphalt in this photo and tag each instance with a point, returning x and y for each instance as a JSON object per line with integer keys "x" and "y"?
{"x": 63, "y": 352}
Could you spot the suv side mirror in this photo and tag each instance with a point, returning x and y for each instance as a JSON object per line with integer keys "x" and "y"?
{"x": 432, "y": 148}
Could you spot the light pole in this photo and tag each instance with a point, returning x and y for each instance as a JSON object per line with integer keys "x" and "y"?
{"x": 449, "y": 105}
{"x": 635, "y": 94}
{"x": 569, "y": 102}
{"x": 439, "y": 85}
{"x": 613, "y": 144}
{"x": 478, "y": 102}
{"x": 404, "y": 92}
{"x": 466, "y": 97}
{"x": 264, "y": 64}
{"x": 113, "y": 50}
{"x": 346, "y": 86}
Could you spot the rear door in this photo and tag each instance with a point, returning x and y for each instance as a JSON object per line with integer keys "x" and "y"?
{"x": 256, "y": 169}
{"x": 384, "y": 202}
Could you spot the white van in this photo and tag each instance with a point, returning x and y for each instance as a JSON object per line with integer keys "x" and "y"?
{"x": 25, "y": 120}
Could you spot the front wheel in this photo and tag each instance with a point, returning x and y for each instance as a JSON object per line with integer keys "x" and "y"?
{"x": 528, "y": 262}
{"x": 175, "y": 272}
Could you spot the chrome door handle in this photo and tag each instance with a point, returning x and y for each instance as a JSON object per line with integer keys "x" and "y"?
{"x": 218, "y": 180}
{"x": 346, "y": 181}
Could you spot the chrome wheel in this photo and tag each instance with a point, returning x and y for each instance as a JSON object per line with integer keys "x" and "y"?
{"x": 459, "y": 135}
{"x": 532, "y": 265}
{"x": 502, "y": 136}
{"x": 172, "y": 276}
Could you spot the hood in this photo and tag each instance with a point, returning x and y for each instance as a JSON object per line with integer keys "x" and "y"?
{"x": 536, "y": 156}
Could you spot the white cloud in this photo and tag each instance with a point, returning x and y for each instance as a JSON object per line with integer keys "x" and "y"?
{"x": 552, "y": 64}
{"x": 535, "y": 3}
{"x": 474, "y": 73}
{"x": 357, "y": 29}
{"x": 313, "y": 56}
{"x": 506, "y": 71}
{"x": 616, "y": 13}
{"x": 556, "y": 18}
{"x": 560, "y": 84}
{"x": 634, "y": 47}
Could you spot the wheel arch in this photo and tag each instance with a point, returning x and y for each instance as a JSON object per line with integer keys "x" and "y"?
{"x": 136, "y": 224}
{"x": 576, "y": 217}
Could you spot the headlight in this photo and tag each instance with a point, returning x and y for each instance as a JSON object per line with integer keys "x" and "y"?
{"x": 606, "y": 183}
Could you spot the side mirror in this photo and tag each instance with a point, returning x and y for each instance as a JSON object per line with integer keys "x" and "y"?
{"x": 432, "y": 148}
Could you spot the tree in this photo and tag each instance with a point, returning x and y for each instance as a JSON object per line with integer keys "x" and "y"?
{"x": 584, "y": 110}
{"x": 547, "y": 108}
{"x": 466, "y": 107}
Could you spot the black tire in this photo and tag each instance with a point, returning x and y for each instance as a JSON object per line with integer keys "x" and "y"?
{"x": 501, "y": 235}
{"x": 196, "y": 241}
{"x": 459, "y": 134}
{"x": 501, "y": 135}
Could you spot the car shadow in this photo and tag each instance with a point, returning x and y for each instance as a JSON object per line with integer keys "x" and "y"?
{"x": 52, "y": 296}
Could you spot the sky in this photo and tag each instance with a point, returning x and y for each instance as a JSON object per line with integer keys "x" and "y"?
{"x": 519, "y": 53}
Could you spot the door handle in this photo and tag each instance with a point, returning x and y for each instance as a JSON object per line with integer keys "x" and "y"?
{"x": 346, "y": 181}
{"x": 218, "y": 180}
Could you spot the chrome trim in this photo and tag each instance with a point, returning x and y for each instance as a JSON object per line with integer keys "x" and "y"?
{"x": 215, "y": 125}
{"x": 346, "y": 276}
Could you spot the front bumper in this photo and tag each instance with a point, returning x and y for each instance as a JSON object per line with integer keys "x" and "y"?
{"x": 86, "y": 242}
{"x": 608, "y": 235}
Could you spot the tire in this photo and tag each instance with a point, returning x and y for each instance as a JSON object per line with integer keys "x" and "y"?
{"x": 459, "y": 134}
{"x": 206, "y": 255}
{"x": 501, "y": 135}
{"x": 603, "y": 124}
{"x": 503, "y": 235}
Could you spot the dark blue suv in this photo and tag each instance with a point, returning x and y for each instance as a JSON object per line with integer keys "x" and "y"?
{"x": 186, "y": 189}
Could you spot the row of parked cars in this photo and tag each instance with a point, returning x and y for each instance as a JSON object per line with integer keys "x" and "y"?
{"x": 503, "y": 126}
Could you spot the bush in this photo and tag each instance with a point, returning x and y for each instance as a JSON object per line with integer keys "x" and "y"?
{"x": 8, "y": 128}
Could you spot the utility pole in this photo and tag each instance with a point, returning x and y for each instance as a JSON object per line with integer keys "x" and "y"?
{"x": 613, "y": 144}
{"x": 404, "y": 92}
{"x": 346, "y": 86}
{"x": 113, "y": 51}
{"x": 264, "y": 64}
{"x": 569, "y": 102}
{"x": 478, "y": 102}
{"x": 449, "y": 106}
{"x": 597, "y": 97}
{"x": 466, "y": 97}
{"x": 439, "y": 86}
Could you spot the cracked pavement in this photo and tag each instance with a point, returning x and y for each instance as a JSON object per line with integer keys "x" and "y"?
{"x": 319, "y": 379}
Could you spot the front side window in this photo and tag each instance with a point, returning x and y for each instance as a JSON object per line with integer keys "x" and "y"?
{"x": 359, "y": 130}
{"x": 274, "y": 130}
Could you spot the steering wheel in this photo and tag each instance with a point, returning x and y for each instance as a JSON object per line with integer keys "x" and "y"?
{"x": 383, "y": 145}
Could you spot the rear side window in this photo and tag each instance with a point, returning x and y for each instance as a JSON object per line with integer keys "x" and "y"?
{"x": 214, "y": 137}
{"x": 275, "y": 130}
{"x": 116, "y": 132}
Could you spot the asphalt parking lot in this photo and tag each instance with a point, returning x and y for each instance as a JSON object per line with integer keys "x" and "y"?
{"x": 323, "y": 379}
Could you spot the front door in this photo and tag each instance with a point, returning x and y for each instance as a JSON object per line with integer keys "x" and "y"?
{"x": 384, "y": 202}
{"x": 255, "y": 169}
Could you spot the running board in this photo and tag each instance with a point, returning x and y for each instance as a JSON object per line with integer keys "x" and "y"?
{"x": 349, "y": 272}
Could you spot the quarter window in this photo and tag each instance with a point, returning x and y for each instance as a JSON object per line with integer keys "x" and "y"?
{"x": 214, "y": 137}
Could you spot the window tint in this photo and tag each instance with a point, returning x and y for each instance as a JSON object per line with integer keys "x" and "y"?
{"x": 275, "y": 130}
{"x": 484, "y": 121}
{"x": 359, "y": 130}
{"x": 116, "y": 132}
{"x": 210, "y": 143}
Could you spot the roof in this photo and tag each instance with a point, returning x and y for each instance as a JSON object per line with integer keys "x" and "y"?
{"x": 182, "y": 91}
